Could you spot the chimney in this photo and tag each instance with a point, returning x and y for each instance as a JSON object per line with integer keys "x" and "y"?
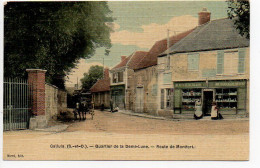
{"x": 123, "y": 58}
{"x": 204, "y": 16}
{"x": 106, "y": 73}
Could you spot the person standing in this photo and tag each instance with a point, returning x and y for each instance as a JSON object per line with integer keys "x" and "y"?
{"x": 198, "y": 110}
{"x": 111, "y": 105}
{"x": 214, "y": 111}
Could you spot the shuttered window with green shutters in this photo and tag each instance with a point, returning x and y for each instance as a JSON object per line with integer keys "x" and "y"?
{"x": 193, "y": 62}
{"x": 241, "y": 60}
{"x": 220, "y": 62}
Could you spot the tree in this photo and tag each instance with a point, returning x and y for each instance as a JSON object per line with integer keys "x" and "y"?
{"x": 95, "y": 73}
{"x": 53, "y": 36}
{"x": 239, "y": 12}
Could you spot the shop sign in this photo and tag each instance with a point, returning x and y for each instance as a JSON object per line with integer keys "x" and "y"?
{"x": 190, "y": 85}
{"x": 230, "y": 84}
{"x": 117, "y": 87}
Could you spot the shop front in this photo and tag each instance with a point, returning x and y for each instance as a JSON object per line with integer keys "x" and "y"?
{"x": 230, "y": 96}
{"x": 118, "y": 96}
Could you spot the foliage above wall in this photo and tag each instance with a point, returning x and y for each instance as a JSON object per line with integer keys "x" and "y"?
{"x": 53, "y": 36}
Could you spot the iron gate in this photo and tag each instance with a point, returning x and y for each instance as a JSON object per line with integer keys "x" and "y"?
{"x": 17, "y": 104}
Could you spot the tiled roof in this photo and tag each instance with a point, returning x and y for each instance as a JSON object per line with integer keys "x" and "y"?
{"x": 132, "y": 60}
{"x": 122, "y": 63}
{"x": 136, "y": 58}
{"x": 160, "y": 46}
{"x": 101, "y": 85}
{"x": 216, "y": 34}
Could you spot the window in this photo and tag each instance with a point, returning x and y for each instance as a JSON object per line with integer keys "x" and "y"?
{"x": 226, "y": 98}
{"x": 115, "y": 77}
{"x": 189, "y": 97}
{"x": 118, "y": 77}
{"x": 193, "y": 62}
{"x": 230, "y": 63}
{"x": 167, "y": 98}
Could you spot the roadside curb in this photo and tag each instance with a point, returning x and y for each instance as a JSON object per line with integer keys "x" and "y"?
{"x": 56, "y": 128}
{"x": 144, "y": 115}
{"x": 178, "y": 119}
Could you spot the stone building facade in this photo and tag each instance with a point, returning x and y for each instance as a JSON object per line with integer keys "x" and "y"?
{"x": 210, "y": 67}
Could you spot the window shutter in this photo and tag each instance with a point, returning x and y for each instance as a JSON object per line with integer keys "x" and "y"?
{"x": 193, "y": 61}
{"x": 241, "y": 60}
{"x": 167, "y": 78}
{"x": 220, "y": 62}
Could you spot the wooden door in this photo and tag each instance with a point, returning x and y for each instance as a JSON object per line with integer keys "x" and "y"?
{"x": 139, "y": 100}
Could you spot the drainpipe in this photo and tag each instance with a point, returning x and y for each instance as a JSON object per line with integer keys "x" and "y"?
{"x": 126, "y": 81}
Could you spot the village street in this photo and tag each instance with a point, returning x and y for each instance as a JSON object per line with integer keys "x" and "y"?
{"x": 119, "y": 136}
{"x": 126, "y": 124}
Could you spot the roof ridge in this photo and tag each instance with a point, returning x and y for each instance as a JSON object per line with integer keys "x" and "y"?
{"x": 161, "y": 54}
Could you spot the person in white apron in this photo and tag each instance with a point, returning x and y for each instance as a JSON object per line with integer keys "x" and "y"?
{"x": 214, "y": 111}
{"x": 198, "y": 110}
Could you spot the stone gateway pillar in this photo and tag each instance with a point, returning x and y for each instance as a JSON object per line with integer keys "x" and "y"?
{"x": 36, "y": 78}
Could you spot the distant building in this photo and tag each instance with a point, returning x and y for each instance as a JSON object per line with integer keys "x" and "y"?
{"x": 101, "y": 91}
{"x": 121, "y": 77}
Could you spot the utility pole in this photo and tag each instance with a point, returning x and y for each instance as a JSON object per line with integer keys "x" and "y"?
{"x": 103, "y": 68}
{"x": 168, "y": 51}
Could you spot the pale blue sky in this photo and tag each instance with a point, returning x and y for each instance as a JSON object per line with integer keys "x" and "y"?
{"x": 130, "y": 16}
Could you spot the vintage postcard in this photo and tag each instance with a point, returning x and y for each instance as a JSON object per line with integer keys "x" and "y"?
{"x": 126, "y": 80}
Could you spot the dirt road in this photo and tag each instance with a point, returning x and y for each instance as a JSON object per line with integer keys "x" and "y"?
{"x": 116, "y": 136}
{"x": 126, "y": 124}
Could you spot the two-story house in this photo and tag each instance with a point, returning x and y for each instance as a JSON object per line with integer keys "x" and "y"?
{"x": 121, "y": 78}
{"x": 210, "y": 64}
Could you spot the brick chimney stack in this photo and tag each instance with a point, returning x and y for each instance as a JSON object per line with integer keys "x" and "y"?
{"x": 123, "y": 58}
{"x": 106, "y": 73}
{"x": 204, "y": 16}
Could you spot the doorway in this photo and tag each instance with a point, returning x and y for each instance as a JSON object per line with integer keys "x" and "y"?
{"x": 139, "y": 100}
{"x": 207, "y": 102}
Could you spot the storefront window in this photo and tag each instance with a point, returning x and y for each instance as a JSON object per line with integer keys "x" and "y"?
{"x": 189, "y": 97}
{"x": 226, "y": 98}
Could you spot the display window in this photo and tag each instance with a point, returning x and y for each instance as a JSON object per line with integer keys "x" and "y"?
{"x": 189, "y": 97}
{"x": 226, "y": 98}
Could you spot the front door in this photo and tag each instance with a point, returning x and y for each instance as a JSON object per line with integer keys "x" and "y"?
{"x": 207, "y": 102}
{"x": 118, "y": 99}
{"x": 139, "y": 100}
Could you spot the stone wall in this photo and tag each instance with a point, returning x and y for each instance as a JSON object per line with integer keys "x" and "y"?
{"x": 55, "y": 101}
{"x": 147, "y": 80}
